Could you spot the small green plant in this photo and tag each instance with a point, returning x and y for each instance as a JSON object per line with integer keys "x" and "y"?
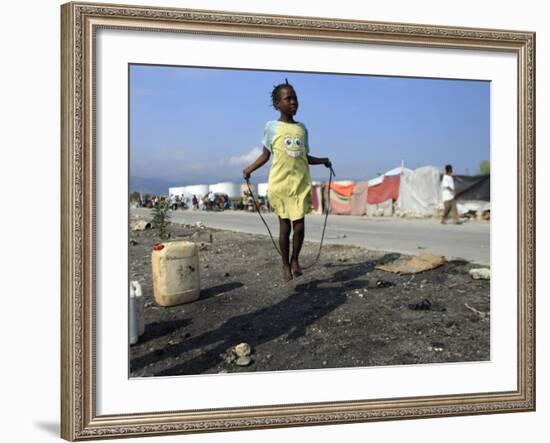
{"x": 161, "y": 218}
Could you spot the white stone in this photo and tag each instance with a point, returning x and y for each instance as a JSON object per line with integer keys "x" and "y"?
{"x": 480, "y": 273}
{"x": 243, "y": 350}
{"x": 243, "y": 361}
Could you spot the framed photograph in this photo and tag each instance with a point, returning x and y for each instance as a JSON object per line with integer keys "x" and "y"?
{"x": 277, "y": 221}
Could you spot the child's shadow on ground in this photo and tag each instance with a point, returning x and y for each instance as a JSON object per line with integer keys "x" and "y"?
{"x": 291, "y": 315}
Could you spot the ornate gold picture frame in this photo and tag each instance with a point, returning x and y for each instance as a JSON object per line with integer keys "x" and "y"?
{"x": 80, "y": 23}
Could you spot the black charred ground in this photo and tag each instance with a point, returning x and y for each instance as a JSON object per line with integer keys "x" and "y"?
{"x": 341, "y": 313}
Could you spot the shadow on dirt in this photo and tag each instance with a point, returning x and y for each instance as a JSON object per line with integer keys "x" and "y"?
{"x": 309, "y": 302}
{"x": 218, "y": 290}
{"x": 160, "y": 329}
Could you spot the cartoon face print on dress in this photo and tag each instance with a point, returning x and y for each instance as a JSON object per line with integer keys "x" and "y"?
{"x": 293, "y": 146}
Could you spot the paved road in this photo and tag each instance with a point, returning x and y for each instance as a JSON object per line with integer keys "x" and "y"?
{"x": 470, "y": 241}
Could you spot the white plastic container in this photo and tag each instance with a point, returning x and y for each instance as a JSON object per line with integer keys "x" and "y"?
{"x": 135, "y": 314}
{"x": 175, "y": 273}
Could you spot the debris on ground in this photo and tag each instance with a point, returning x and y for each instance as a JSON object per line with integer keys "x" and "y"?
{"x": 203, "y": 236}
{"x": 140, "y": 225}
{"x": 243, "y": 361}
{"x": 424, "y": 305}
{"x": 238, "y": 355}
{"x": 229, "y": 356}
{"x": 382, "y": 284}
{"x": 475, "y": 311}
{"x": 420, "y": 263}
{"x": 320, "y": 320}
{"x": 480, "y": 273}
{"x": 243, "y": 350}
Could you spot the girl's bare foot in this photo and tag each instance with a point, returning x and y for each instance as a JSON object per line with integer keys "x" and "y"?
{"x": 287, "y": 274}
{"x": 296, "y": 269}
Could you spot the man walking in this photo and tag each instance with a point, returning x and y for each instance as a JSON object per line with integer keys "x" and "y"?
{"x": 449, "y": 194}
{"x": 174, "y": 201}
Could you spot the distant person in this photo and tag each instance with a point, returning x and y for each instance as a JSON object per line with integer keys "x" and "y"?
{"x": 250, "y": 203}
{"x": 449, "y": 196}
{"x": 195, "y": 202}
{"x": 174, "y": 201}
{"x": 289, "y": 178}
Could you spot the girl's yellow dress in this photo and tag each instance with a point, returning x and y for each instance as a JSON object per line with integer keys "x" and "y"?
{"x": 289, "y": 184}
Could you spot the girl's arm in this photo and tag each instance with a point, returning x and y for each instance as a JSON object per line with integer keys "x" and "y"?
{"x": 258, "y": 163}
{"x": 319, "y": 161}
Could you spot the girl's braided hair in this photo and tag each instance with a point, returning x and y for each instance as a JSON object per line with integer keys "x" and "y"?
{"x": 276, "y": 89}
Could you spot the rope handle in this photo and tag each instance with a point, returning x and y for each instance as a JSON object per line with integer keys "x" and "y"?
{"x": 260, "y": 214}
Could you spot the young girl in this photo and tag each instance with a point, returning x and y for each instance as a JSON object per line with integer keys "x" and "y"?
{"x": 289, "y": 184}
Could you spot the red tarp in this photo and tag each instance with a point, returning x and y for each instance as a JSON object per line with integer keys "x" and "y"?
{"x": 388, "y": 189}
{"x": 340, "y": 197}
{"x": 359, "y": 199}
{"x": 343, "y": 190}
{"x": 340, "y": 205}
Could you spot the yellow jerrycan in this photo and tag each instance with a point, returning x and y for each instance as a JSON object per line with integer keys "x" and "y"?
{"x": 175, "y": 273}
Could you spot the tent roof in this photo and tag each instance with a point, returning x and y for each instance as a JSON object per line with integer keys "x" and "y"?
{"x": 395, "y": 171}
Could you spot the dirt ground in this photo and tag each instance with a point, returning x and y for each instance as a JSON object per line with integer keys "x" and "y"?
{"x": 341, "y": 313}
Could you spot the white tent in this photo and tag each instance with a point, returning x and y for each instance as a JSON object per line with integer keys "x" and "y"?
{"x": 420, "y": 191}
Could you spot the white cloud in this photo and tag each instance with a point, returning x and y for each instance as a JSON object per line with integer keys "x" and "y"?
{"x": 245, "y": 159}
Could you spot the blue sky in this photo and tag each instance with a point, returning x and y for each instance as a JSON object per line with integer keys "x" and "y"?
{"x": 199, "y": 125}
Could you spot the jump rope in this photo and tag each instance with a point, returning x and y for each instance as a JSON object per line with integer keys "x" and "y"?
{"x": 327, "y": 209}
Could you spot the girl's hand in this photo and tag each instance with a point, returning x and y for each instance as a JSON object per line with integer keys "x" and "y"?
{"x": 246, "y": 173}
{"x": 327, "y": 163}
